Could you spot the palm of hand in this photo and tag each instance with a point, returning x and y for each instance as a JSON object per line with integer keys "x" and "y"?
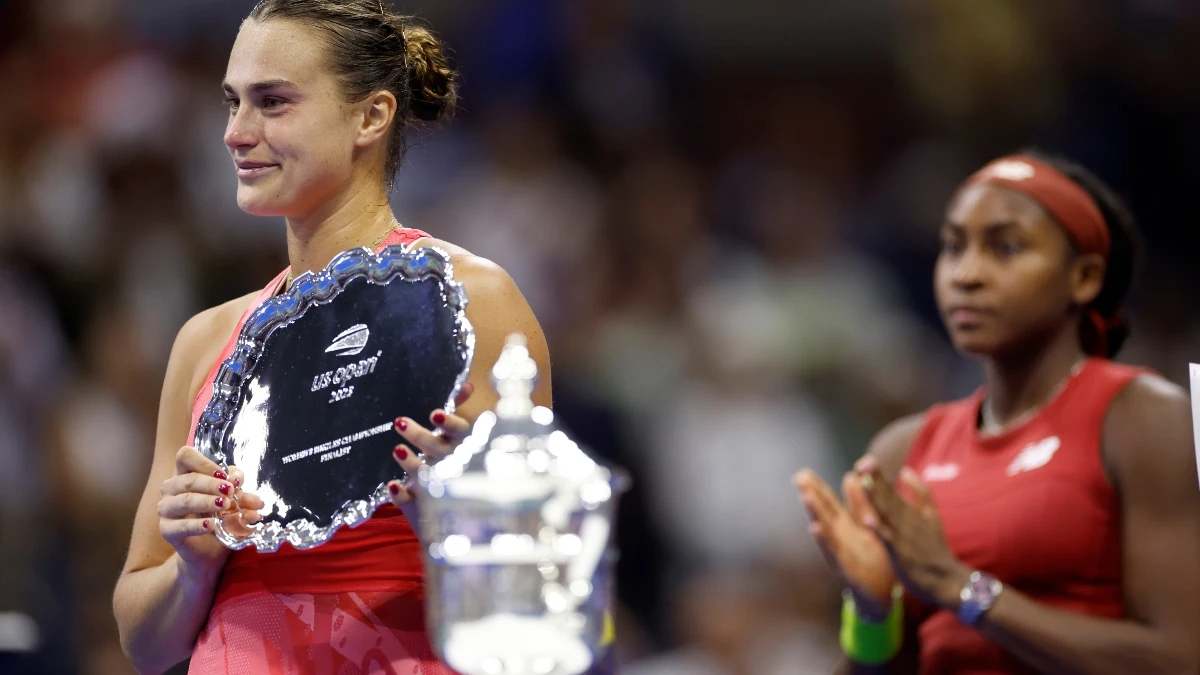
{"x": 861, "y": 556}
{"x": 857, "y": 555}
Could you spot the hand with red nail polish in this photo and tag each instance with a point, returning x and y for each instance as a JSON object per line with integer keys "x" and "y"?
{"x": 402, "y": 490}
{"x": 446, "y": 432}
{"x": 195, "y": 498}
{"x": 428, "y": 442}
{"x": 404, "y": 493}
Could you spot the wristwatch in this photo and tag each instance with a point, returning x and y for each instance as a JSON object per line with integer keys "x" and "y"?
{"x": 978, "y": 595}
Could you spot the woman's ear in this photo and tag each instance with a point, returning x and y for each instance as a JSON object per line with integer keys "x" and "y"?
{"x": 378, "y": 111}
{"x": 1087, "y": 278}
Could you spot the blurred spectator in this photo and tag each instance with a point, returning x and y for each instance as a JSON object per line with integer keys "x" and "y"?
{"x": 724, "y": 216}
{"x": 739, "y": 623}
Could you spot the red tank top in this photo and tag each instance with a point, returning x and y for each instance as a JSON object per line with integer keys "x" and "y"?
{"x": 1033, "y": 507}
{"x": 381, "y": 554}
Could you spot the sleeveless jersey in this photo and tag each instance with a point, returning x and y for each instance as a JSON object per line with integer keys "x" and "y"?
{"x": 1032, "y": 506}
{"x": 354, "y": 605}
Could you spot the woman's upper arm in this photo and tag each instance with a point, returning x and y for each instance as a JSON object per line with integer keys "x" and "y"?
{"x": 496, "y": 309}
{"x": 1149, "y": 449}
{"x": 147, "y": 548}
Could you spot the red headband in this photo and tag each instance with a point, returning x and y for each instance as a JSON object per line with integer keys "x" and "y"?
{"x": 1063, "y": 198}
{"x": 1069, "y": 204}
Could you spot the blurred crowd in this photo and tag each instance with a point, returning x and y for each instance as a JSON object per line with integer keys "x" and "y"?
{"x": 725, "y": 219}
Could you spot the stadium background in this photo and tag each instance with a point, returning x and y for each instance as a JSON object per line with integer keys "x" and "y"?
{"x": 724, "y": 215}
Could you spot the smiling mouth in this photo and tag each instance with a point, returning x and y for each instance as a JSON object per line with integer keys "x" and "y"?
{"x": 251, "y": 171}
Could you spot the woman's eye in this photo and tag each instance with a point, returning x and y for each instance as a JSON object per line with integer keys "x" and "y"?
{"x": 232, "y": 103}
{"x": 1008, "y": 248}
{"x": 272, "y": 102}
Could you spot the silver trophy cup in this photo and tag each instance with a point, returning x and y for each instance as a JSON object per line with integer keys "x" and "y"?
{"x": 516, "y": 524}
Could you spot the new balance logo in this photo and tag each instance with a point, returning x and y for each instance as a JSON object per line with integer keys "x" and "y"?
{"x": 1034, "y": 456}
{"x": 939, "y": 473}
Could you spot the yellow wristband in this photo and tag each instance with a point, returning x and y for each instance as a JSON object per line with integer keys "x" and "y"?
{"x": 869, "y": 642}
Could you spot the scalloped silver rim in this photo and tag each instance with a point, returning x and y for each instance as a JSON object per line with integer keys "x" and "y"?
{"x": 311, "y": 290}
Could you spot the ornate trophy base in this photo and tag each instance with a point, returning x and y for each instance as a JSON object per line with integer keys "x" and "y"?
{"x": 510, "y": 644}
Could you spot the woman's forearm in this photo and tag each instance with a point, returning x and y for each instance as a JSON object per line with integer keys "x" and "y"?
{"x": 1055, "y": 641}
{"x": 160, "y": 611}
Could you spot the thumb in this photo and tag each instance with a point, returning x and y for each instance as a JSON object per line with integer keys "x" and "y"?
{"x": 921, "y": 497}
{"x": 404, "y": 497}
{"x": 464, "y": 393}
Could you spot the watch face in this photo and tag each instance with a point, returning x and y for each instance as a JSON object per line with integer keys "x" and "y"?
{"x": 981, "y": 589}
{"x": 978, "y": 594}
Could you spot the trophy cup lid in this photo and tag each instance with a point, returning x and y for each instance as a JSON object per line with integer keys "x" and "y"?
{"x": 516, "y": 452}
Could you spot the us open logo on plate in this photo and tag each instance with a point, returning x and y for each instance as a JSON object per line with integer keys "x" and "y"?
{"x": 350, "y": 341}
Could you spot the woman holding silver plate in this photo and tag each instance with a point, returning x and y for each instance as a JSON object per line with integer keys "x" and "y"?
{"x": 320, "y": 94}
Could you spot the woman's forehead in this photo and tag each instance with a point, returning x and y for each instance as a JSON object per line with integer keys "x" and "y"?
{"x": 275, "y": 50}
{"x": 984, "y": 204}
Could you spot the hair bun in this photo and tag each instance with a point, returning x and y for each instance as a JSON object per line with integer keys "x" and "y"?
{"x": 434, "y": 85}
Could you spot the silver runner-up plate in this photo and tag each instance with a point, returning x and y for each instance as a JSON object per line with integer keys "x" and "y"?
{"x": 306, "y": 402}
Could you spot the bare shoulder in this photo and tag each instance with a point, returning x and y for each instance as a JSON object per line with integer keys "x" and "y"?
{"x": 892, "y": 444}
{"x": 1149, "y": 407}
{"x": 1148, "y": 432}
{"x": 456, "y": 252}
{"x": 1147, "y": 393}
{"x": 496, "y": 309}
{"x": 201, "y": 340}
{"x": 487, "y": 283}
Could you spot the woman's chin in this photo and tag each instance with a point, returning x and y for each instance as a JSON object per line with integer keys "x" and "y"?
{"x": 259, "y": 205}
{"x": 974, "y": 344}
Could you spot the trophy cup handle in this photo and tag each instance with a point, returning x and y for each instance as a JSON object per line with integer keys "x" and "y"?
{"x": 593, "y": 532}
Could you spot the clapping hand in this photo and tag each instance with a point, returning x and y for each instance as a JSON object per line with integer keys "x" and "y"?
{"x": 855, "y": 554}
{"x": 911, "y": 531}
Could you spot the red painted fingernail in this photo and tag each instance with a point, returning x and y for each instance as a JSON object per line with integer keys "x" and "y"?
{"x": 220, "y": 502}
{"x": 439, "y": 418}
{"x": 204, "y": 524}
{"x": 393, "y": 488}
{"x": 224, "y": 489}
{"x": 401, "y": 424}
{"x": 400, "y": 452}
{"x": 237, "y": 482}
{"x": 220, "y": 475}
